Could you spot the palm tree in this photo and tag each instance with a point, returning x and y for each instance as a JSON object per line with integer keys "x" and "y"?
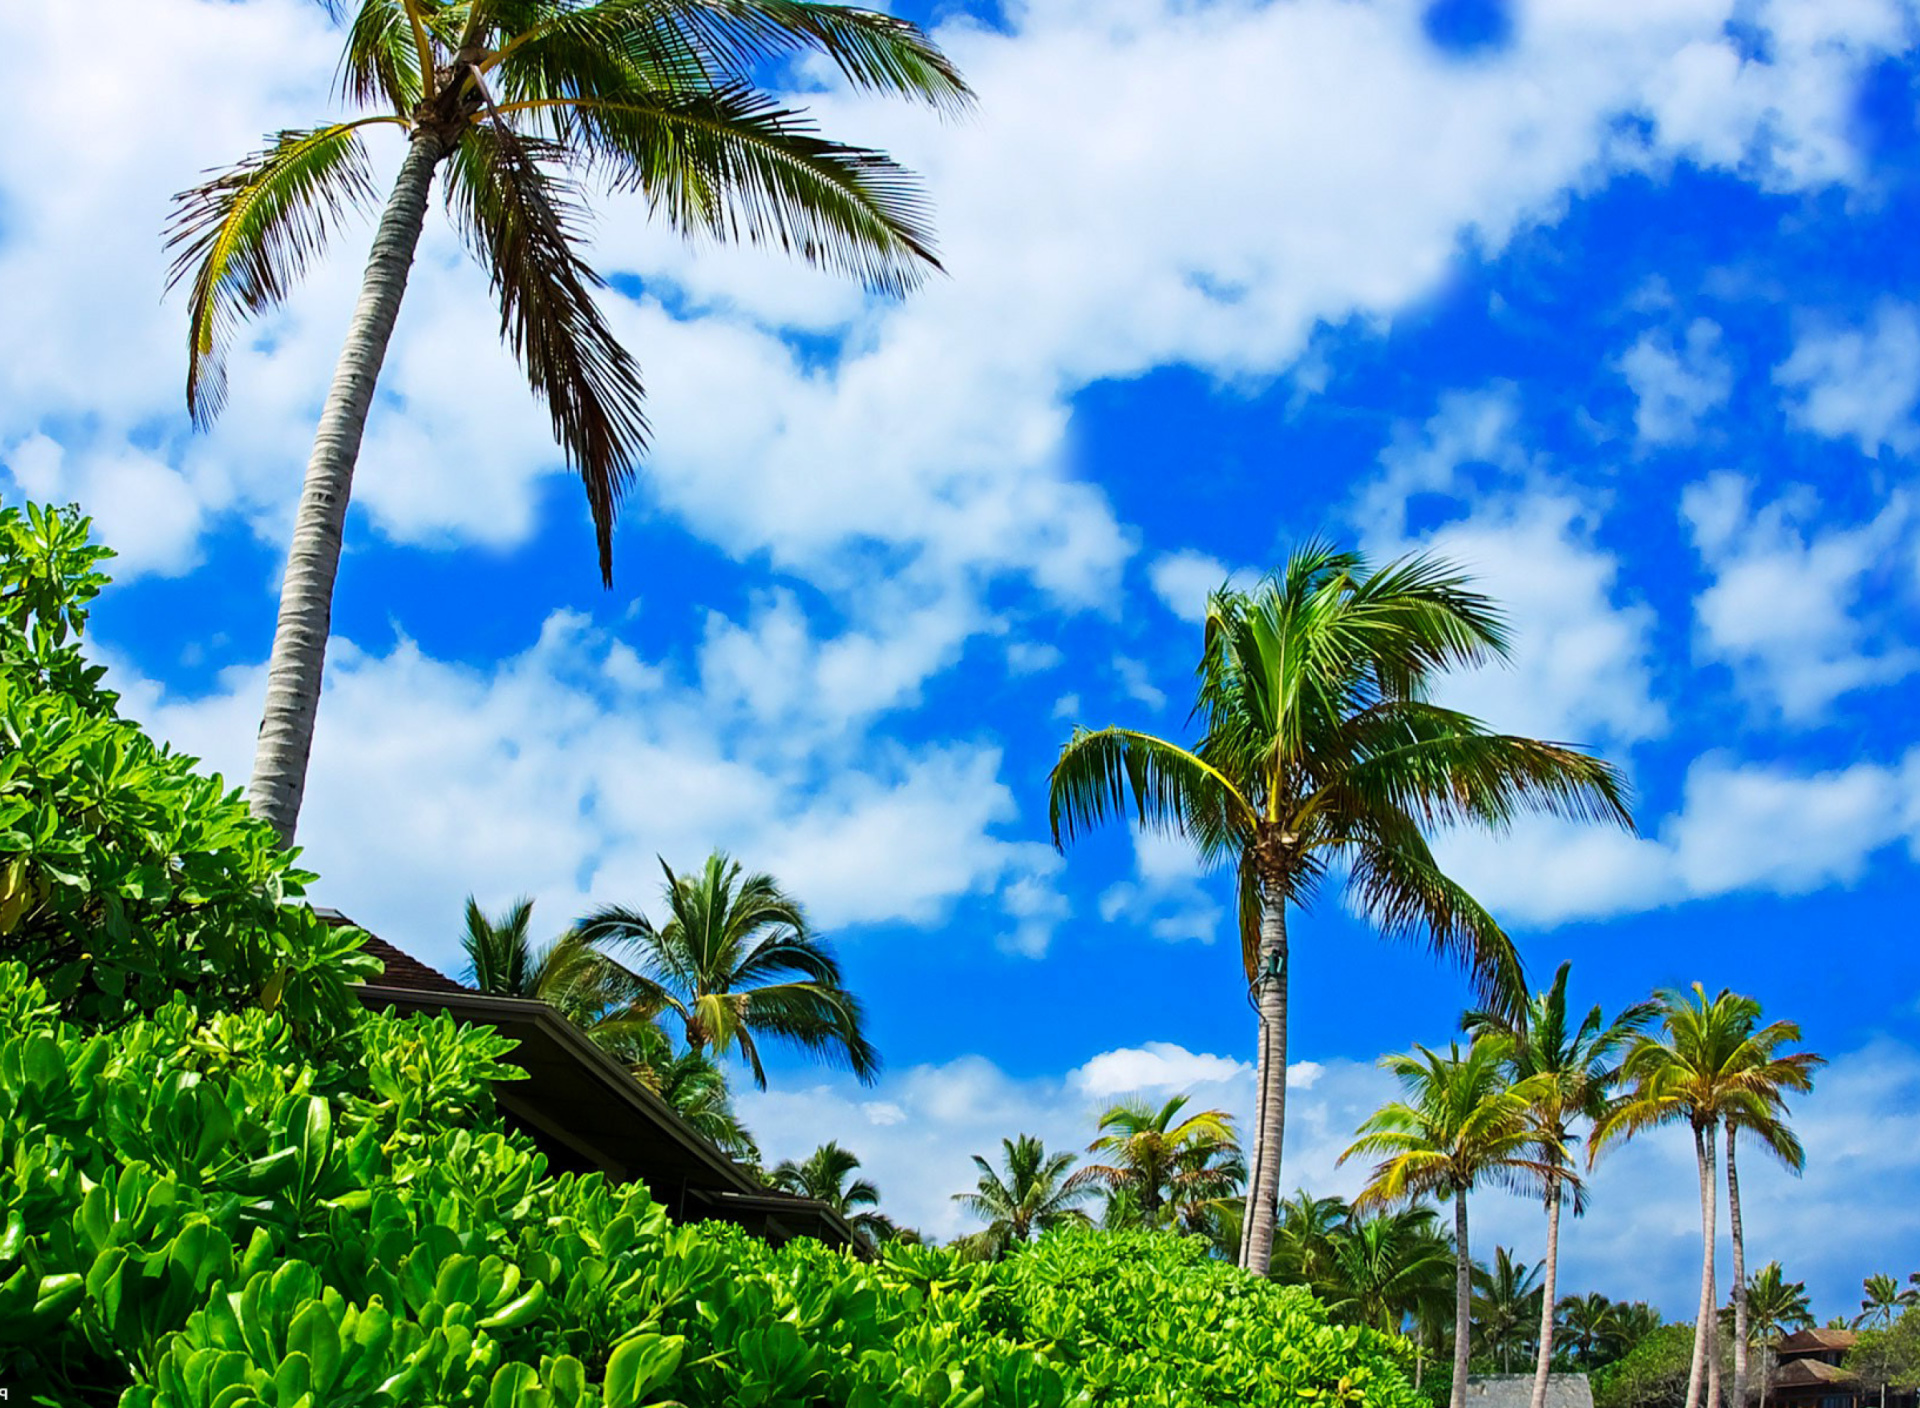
{"x": 1586, "y": 1327}
{"x": 517, "y": 99}
{"x": 1462, "y": 1123}
{"x": 1573, "y": 1068}
{"x": 823, "y": 1177}
{"x": 570, "y": 975}
{"x": 1507, "y": 1297}
{"x": 1709, "y": 1061}
{"x": 1761, "y": 1110}
{"x": 735, "y": 963}
{"x": 1321, "y": 755}
{"x": 1154, "y": 1157}
{"x": 1884, "y": 1298}
{"x": 1303, "y": 1239}
{"x": 697, "y": 1089}
{"x": 1773, "y": 1303}
{"x": 1387, "y": 1268}
{"x": 1035, "y": 1195}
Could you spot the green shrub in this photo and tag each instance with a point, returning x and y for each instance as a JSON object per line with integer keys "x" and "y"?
{"x": 1653, "y": 1375}
{"x": 222, "y": 1186}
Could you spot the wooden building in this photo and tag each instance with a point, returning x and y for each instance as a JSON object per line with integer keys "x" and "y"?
{"x": 585, "y": 1111}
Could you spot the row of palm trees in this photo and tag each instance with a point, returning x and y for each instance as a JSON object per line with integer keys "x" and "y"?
{"x": 1510, "y": 1106}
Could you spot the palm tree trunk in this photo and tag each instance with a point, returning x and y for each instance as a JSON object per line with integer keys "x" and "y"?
{"x": 1549, "y": 1276}
{"x": 306, "y": 594}
{"x": 1462, "y": 1301}
{"x": 1739, "y": 1280}
{"x": 1271, "y": 1117}
{"x": 1259, "y": 1152}
{"x": 1709, "y": 1222}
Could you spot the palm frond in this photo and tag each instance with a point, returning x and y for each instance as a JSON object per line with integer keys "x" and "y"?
{"x": 381, "y": 62}
{"x": 733, "y": 165}
{"x": 245, "y": 237}
{"x": 519, "y": 216}
{"x": 1104, "y": 774}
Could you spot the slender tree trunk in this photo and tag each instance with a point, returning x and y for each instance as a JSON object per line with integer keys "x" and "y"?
{"x": 1703, "y": 1144}
{"x": 1739, "y": 1279}
{"x": 1462, "y": 1301}
{"x": 1253, "y": 1164}
{"x": 306, "y": 594}
{"x": 1545, "y": 1363}
{"x": 1271, "y": 1117}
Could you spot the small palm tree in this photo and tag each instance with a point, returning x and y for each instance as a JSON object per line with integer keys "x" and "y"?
{"x": 1168, "y": 1166}
{"x": 735, "y": 963}
{"x": 1303, "y": 1239}
{"x": 1036, "y": 1193}
{"x": 824, "y": 1176}
{"x": 1572, "y": 1067}
{"x": 1387, "y": 1269}
{"x": 1586, "y": 1328}
{"x": 570, "y": 975}
{"x": 1773, "y": 1304}
{"x": 1461, "y": 1124}
{"x": 698, "y": 1091}
{"x": 516, "y": 100}
{"x": 1321, "y": 755}
{"x": 1506, "y": 1299}
{"x": 1709, "y": 1061}
{"x": 1884, "y": 1298}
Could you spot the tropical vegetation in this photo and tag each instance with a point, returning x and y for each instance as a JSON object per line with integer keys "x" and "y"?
{"x": 517, "y": 102}
{"x": 826, "y": 1176}
{"x": 1323, "y": 758}
{"x": 1030, "y": 1193}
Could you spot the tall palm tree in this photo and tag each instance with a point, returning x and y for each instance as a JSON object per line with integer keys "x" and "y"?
{"x": 570, "y": 975}
{"x": 1152, "y": 1151}
{"x": 1461, "y": 1124}
{"x": 735, "y": 962}
{"x": 1572, "y": 1067}
{"x": 518, "y": 100}
{"x": 1884, "y": 1298}
{"x": 824, "y": 1176}
{"x": 1321, "y": 754}
{"x": 1506, "y": 1299}
{"x": 1761, "y": 1110}
{"x": 1708, "y": 1060}
{"x": 1387, "y": 1269}
{"x": 1035, "y": 1193}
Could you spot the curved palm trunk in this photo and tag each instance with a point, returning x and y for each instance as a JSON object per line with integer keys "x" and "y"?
{"x": 1259, "y": 1152}
{"x": 1263, "y": 1189}
{"x": 1740, "y": 1324}
{"x": 1462, "y": 1301}
{"x": 1549, "y": 1277}
{"x": 306, "y": 594}
{"x": 1703, "y": 1146}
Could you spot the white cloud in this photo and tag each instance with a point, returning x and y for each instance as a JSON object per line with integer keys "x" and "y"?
{"x": 1137, "y": 684}
{"x": 1858, "y": 383}
{"x": 1677, "y": 383}
{"x": 1171, "y": 897}
{"x": 566, "y": 770}
{"x": 1155, "y": 1067}
{"x": 1184, "y": 580}
{"x": 1799, "y": 610}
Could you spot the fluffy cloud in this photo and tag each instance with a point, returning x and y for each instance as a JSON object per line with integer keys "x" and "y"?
{"x": 1676, "y": 383}
{"x": 1798, "y": 610}
{"x": 567, "y": 770}
{"x": 1857, "y": 383}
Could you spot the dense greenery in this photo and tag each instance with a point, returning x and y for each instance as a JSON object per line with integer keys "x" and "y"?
{"x": 222, "y": 1185}
{"x": 1653, "y": 1375}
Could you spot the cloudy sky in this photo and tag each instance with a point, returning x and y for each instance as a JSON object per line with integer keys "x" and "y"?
{"x": 1614, "y": 301}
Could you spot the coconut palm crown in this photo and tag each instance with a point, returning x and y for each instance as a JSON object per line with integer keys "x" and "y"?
{"x": 523, "y": 104}
{"x": 1037, "y": 1192}
{"x": 735, "y": 962}
{"x": 1322, "y": 756}
{"x": 826, "y": 1176}
{"x": 1166, "y": 1162}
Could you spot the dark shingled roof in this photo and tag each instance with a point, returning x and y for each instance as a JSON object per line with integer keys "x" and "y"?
{"x": 1816, "y": 1341}
{"x": 403, "y": 969}
{"x": 1797, "y": 1373}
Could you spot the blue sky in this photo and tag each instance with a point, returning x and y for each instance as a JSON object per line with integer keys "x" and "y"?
{"x": 1616, "y": 303}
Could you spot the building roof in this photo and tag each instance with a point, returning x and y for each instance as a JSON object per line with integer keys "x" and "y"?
{"x": 1516, "y": 1391}
{"x": 587, "y": 1112}
{"x": 1802, "y": 1373}
{"x": 1815, "y": 1341}
{"x": 403, "y": 970}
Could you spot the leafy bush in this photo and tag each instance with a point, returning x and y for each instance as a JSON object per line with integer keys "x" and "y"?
{"x": 126, "y": 877}
{"x": 1653, "y": 1374}
{"x": 222, "y": 1186}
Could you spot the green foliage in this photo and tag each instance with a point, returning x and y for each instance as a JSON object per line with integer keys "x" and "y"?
{"x": 1890, "y": 1354}
{"x": 1652, "y": 1375}
{"x": 126, "y": 877}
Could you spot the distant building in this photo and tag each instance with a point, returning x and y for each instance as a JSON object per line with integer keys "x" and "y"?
{"x": 1516, "y": 1391}
{"x": 1807, "y": 1373}
{"x": 587, "y": 1113}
